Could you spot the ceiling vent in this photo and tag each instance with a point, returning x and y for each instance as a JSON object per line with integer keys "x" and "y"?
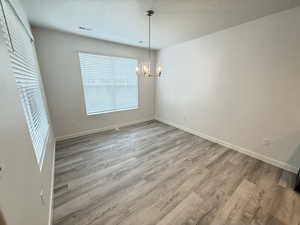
{"x": 84, "y": 28}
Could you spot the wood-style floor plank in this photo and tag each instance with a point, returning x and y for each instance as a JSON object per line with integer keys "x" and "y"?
{"x": 152, "y": 173}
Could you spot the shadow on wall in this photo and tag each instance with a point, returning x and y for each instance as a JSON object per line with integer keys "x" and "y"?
{"x": 288, "y": 148}
{"x": 295, "y": 159}
{"x": 2, "y": 220}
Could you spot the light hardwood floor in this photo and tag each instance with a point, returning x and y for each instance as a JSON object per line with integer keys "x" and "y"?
{"x": 152, "y": 173}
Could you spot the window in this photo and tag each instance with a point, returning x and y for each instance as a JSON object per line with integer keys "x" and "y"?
{"x": 109, "y": 83}
{"x": 27, "y": 74}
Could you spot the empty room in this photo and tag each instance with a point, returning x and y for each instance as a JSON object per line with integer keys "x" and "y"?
{"x": 150, "y": 112}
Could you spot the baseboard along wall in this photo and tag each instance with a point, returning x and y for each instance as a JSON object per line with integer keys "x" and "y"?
{"x": 93, "y": 131}
{"x": 264, "y": 158}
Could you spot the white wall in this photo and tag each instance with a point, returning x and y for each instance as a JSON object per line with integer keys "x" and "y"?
{"x": 239, "y": 87}
{"x": 58, "y": 56}
{"x": 21, "y": 180}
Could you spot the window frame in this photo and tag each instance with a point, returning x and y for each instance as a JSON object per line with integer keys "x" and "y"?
{"x": 22, "y": 90}
{"x": 82, "y": 85}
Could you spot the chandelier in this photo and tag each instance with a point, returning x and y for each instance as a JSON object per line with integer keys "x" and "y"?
{"x": 149, "y": 69}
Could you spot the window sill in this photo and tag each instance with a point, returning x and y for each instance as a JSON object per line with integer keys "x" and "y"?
{"x": 112, "y": 111}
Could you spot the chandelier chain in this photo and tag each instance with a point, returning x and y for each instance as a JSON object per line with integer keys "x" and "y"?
{"x": 149, "y": 49}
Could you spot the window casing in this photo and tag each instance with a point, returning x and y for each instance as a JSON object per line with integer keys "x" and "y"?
{"x": 109, "y": 83}
{"x": 27, "y": 75}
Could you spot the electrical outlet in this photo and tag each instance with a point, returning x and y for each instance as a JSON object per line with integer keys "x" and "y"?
{"x": 266, "y": 142}
{"x": 42, "y": 197}
{"x": 1, "y": 170}
{"x": 184, "y": 118}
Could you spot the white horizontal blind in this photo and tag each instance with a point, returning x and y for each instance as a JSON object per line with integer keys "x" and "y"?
{"x": 27, "y": 74}
{"x": 109, "y": 83}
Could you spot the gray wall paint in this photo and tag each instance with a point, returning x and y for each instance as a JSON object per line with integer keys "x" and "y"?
{"x": 21, "y": 180}
{"x": 58, "y": 57}
{"x": 239, "y": 86}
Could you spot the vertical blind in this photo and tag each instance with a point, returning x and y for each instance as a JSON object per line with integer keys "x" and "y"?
{"x": 109, "y": 83}
{"x": 27, "y": 75}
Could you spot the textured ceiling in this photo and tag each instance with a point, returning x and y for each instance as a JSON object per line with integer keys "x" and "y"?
{"x": 124, "y": 21}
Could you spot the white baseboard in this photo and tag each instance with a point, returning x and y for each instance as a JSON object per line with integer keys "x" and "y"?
{"x": 86, "y": 132}
{"x": 264, "y": 158}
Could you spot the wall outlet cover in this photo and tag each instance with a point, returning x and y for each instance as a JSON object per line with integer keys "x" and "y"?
{"x": 267, "y": 142}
